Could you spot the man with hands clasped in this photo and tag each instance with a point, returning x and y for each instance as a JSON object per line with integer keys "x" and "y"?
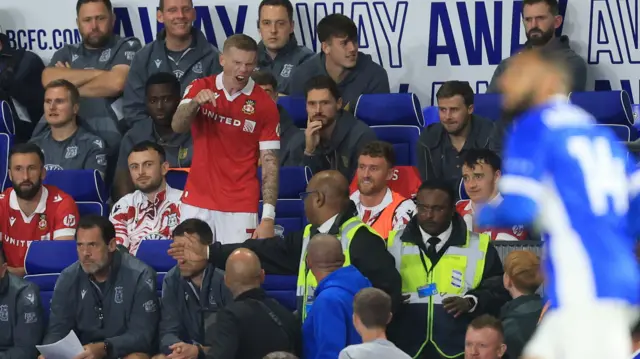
{"x": 333, "y": 137}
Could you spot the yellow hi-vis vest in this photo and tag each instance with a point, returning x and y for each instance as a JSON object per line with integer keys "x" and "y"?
{"x": 459, "y": 270}
{"x": 306, "y": 280}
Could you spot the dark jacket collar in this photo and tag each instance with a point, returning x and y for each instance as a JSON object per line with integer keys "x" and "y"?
{"x": 255, "y": 293}
{"x": 458, "y": 236}
{"x": 436, "y": 133}
{"x": 114, "y": 267}
{"x": 525, "y": 304}
{"x": 345, "y": 121}
{"x": 347, "y": 213}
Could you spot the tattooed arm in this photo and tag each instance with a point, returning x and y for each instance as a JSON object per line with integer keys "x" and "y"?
{"x": 184, "y": 115}
{"x": 270, "y": 171}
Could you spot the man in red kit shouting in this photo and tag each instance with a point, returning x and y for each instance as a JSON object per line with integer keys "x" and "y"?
{"x": 480, "y": 173}
{"x": 231, "y": 121}
{"x": 31, "y": 211}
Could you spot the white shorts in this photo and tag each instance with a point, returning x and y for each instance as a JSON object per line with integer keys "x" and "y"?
{"x": 598, "y": 331}
{"x": 227, "y": 227}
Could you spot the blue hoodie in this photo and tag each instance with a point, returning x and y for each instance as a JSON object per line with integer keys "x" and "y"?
{"x": 329, "y": 327}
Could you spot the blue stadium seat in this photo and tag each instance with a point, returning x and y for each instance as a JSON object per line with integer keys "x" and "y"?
{"x": 389, "y": 109}
{"x": 43, "y": 263}
{"x": 488, "y": 106}
{"x": 296, "y": 107}
{"x": 6, "y": 119}
{"x": 621, "y": 131}
{"x": 608, "y": 107}
{"x": 177, "y": 179}
{"x": 86, "y": 208}
{"x": 282, "y": 288}
{"x": 636, "y": 115}
{"x": 431, "y": 115}
{"x": 82, "y": 185}
{"x": 289, "y": 208}
{"x": 6, "y": 141}
{"x": 404, "y": 140}
{"x": 154, "y": 254}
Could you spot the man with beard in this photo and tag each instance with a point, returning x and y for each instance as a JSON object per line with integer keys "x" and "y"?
{"x": 279, "y": 52}
{"x": 378, "y": 206}
{"x": 192, "y": 294}
{"x": 162, "y": 98}
{"x": 353, "y": 71}
{"x": 153, "y": 210}
{"x": 541, "y": 19}
{"x": 442, "y": 145}
{"x": 333, "y": 137}
{"x": 65, "y": 145}
{"x": 98, "y": 67}
{"x": 107, "y": 298}
{"x": 31, "y": 211}
{"x": 574, "y": 179}
{"x": 449, "y": 274}
{"x": 179, "y": 48}
{"x": 234, "y": 124}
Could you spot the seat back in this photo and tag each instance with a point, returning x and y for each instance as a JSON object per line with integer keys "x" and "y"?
{"x": 153, "y": 252}
{"x": 488, "y": 106}
{"x": 282, "y": 288}
{"x": 289, "y": 214}
{"x": 177, "y": 178}
{"x": 6, "y": 141}
{"x": 622, "y": 132}
{"x": 389, "y": 109}
{"x": 82, "y": 185}
{"x": 296, "y": 107}
{"x": 431, "y": 115}
{"x": 289, "y": 207}
{"x": 608, "y": 107}
{"x": 7, "y": 124}
{"x": 86, "y": 208}
{"x": 404, "y": 140}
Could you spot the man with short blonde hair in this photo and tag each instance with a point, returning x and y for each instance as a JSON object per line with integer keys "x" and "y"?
{"x": 484, "y": 339}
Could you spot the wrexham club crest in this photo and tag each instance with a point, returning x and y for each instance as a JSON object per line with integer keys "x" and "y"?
{"x": 249, "y": 107}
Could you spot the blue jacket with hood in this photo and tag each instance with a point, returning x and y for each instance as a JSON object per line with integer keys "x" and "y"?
{"x": 329, "y": 327}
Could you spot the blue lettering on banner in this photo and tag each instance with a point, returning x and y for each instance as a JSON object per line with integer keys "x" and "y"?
{"x": 380, "y": 26}
{"x": 40, "y": 39}
{"x": 204, "y": 22}
{"x": 625, "y": 85}
{"x": 612, "y": 22}
{"x": 480, "y": 34}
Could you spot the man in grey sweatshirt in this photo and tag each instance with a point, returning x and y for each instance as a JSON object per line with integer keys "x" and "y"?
{"x": 371, "y": 314}
{"x": 541, "y": 18}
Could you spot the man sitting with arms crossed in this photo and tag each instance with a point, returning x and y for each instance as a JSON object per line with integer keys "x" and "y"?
{"x": 192, "y": 293}
{"x": 65, "y": 144}
{"x": 31, "y": 211}
{"x": 480, "y": 174}
{"x": 21, "y": 320}
{"x": 107, "y": 298}
{"x": 153, "y": 210}
{"x": 378, "y": 206}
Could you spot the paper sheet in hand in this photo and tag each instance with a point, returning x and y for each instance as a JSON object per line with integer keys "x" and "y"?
{"x": 65, "y": 348}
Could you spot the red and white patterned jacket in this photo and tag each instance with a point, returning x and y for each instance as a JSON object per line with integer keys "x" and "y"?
{"x": 135, "y": 218}
{"x": 515, "y": 233}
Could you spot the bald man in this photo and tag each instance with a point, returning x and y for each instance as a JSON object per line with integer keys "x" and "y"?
{"x": 329, "y": 211}
{"x": 329, "y": 327}
{"x": 253, "y": 325}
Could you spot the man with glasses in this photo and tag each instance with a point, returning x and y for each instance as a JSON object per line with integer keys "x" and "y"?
{"x": 449, "y": 274}
{"x": 107, "y": 298}
{"x": 329, "y": 210}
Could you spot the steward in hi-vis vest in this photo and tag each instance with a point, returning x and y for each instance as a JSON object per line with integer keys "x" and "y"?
{"x": 329, "y": 211}
{"x": 449, "y": 276}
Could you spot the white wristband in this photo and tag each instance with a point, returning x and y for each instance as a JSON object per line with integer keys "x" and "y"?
{"x": 268, "y": 211}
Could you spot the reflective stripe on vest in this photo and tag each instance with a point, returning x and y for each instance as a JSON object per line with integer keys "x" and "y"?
{"x": 459, "y": 270}
{"x": 306, "y": 280}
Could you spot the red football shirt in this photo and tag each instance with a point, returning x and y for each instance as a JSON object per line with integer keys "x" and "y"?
{"x": 515, "y": 233}
{"x": 227, "y": 138}
{"x": 55, "y": 216}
